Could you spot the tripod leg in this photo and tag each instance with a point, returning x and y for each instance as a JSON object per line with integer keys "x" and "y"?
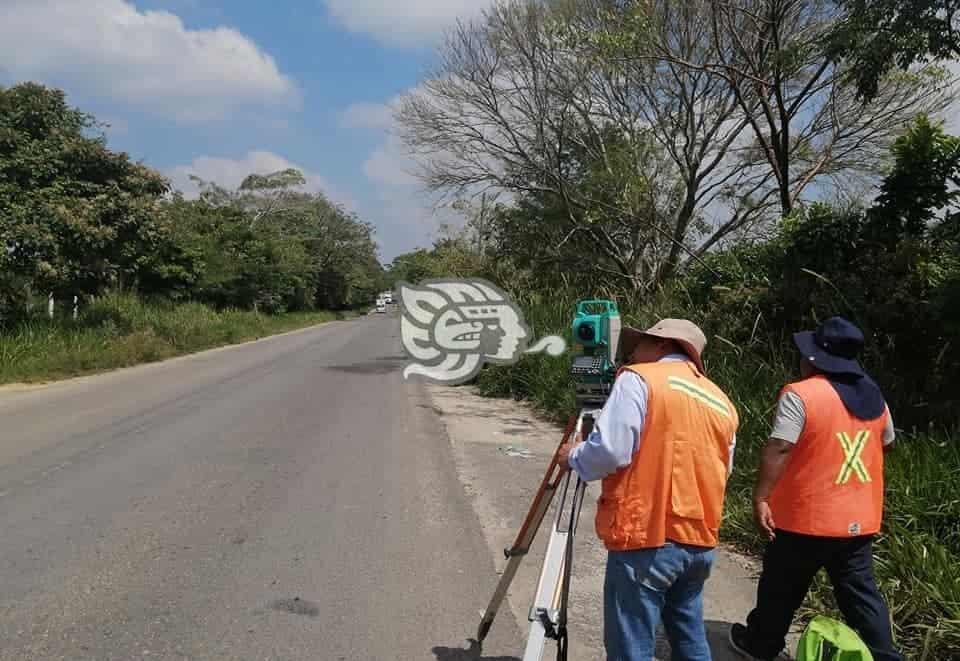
{"x": 546, "y": 601}
{"x": 548, "y": 617}
{"x": 567, "y": 572}
{"x": 538, "y": 509}
{"x": 587, "y": 422}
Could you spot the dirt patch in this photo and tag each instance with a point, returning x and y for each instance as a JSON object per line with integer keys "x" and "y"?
{"x": 296, "y": 606}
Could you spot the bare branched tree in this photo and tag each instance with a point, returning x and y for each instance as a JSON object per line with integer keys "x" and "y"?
{"x": 799, "y": 103}
{"x": 479, "y": 218}
{"x": 693, "y": 114}
{"x": 716, "y": 119}
{"x": 515, "y": 106}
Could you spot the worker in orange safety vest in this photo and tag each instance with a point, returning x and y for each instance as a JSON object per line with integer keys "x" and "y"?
{"x": 819, "y": 495}
{"x": 663, "y": 446}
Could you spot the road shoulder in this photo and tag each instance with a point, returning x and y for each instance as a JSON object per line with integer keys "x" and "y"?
{"x": 98, "y": 373}
{"x": 502, "y": 449}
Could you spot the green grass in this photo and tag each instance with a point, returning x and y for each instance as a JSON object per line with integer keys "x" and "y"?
{"x": 918, "y": 553}
{"x": 120, "y": 330}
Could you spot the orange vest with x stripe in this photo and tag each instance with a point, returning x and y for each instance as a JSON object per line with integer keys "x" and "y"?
{"x": 832, "y": 485}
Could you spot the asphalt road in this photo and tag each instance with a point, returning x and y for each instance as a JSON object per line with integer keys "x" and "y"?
{"x": 292, "y": 498}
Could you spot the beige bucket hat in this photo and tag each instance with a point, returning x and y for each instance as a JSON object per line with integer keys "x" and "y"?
{"x": 684, "y": 332}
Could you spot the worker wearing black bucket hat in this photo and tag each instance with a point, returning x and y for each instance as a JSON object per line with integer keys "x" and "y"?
{"x": 819, "y": 495}
{"x": 832, "y": 349}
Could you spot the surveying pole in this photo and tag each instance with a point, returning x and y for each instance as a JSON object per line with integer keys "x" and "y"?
{"x": 548, "y": 615}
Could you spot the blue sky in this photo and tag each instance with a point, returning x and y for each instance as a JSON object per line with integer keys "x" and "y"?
{"x": 221, "y": 88}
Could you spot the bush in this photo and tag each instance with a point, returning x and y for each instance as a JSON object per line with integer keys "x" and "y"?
{"x": 822, "y": 262}
{"x": 120, "y": 330}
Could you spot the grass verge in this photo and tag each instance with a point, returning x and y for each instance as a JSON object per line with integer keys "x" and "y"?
{"x": 917, "y": 553}
{"x": 120, "y": 330}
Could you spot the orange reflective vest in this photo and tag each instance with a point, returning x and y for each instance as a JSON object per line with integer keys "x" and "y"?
{"x": 832, "y": 485}
{"x": 674, "y": 487}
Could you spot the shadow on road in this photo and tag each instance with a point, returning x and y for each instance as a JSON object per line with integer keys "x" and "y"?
{"x": 472, "y": 653}
{"x": 383, "y": 365}
{"x": 716, "y": 637}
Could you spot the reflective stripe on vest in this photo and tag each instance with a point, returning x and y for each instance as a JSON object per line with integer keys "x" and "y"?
{"x": 674, "y": 487}
{"x": 852, "y": 461}
{"x": 832, "y": 485}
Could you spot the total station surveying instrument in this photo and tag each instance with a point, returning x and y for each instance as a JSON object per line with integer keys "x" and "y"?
{"x": 596, "y": 332}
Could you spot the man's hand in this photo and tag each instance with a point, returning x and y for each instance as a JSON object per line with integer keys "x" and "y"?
{"x": 773, "y": 462}
{"x": 563, "y": 455}
{"x": 763, "y": 515}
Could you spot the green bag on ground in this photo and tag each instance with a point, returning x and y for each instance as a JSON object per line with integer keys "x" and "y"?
{"x": 826, "y": 639}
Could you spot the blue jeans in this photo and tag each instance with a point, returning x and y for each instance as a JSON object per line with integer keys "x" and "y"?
{"x": 643, "y": 586}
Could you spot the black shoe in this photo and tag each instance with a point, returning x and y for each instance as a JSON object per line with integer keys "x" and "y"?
{"x": 740, "y": 642}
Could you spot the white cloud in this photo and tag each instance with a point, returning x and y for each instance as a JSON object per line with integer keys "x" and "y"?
{"x": 390, "y": 165}
{"x": 377, "y": 116}
{"x": 405, "y": 215}
{"x": 230, "y": 173}
{"x": 147, "y": 59}
{"x": 403, "y": 23}
{"x": 406, "y": 220}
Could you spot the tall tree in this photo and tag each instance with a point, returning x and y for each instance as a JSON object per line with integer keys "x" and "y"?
{"x": 692, "y": 114}
{"x": 512, "y": 107}
{"x": 75, "y": 217}
{"x": 660, "y": 128}
{"x": 341, "y": 266}
{"x": 479, "y": 213}
{"x": 805, "y": 119}
{"x": 878, "y": 35}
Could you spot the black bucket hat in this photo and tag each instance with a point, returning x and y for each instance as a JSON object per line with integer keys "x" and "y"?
{"x": 832, "y": 349}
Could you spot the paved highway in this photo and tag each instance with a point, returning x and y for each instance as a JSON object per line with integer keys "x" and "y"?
{"x": 291, "y": 498}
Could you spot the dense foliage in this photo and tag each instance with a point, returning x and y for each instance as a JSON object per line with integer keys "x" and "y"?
{"x": 893, "y": 268}
{"x": 77, "y": 219}
{"x": 878, "y": 35}
{"x": 74, "y": 216}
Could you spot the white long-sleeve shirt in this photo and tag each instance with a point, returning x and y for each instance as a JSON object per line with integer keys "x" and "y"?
{"x": 618, "y": 429}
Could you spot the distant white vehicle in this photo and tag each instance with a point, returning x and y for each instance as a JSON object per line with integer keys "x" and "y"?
{"x": 388, "y": 297}
{"x": 381, "y": 307}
